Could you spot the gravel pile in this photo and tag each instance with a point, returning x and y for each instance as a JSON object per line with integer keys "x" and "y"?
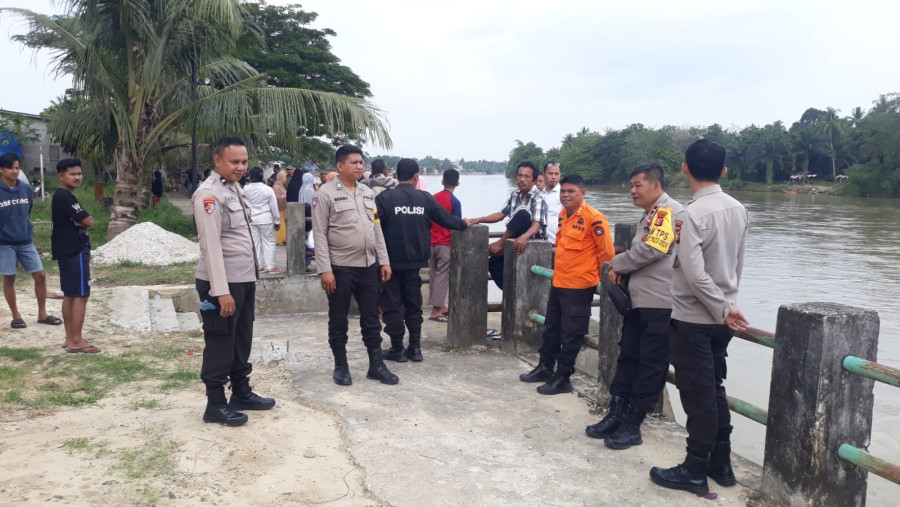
{"x": 149, "y": 244}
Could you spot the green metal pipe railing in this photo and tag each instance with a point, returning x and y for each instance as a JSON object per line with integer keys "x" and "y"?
{"x": 548, "y": 273}
{"x": 870, "y": 463}
{"x": 540, "y": 319}
{"x": 737, "y": 405}
{"x": 872, "y": 370}
{"x": 758, "y": 336}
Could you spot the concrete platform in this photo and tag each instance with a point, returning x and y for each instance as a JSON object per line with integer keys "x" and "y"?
{"x": 462, "y": 424}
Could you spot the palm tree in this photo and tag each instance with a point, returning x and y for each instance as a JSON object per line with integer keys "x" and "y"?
{"x": 856, "y": 116}
{"x": 132, "y": 62}
{"x": 567, "y": 142}
{"x": 831, "y": 127}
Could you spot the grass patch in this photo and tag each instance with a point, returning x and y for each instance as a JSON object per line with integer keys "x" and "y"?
{"x": 12, "y": 397}
{"x": 84, "y": 445}
{"x": 11, "y": 373}
{"x": 148, "y": 404}
{"x": 29, "y": 354}
{"x": 179, "y": 379}
{"x": 154, "y": 458}
{"x": 169, "y": 217}
{"x": 130, "y": 273}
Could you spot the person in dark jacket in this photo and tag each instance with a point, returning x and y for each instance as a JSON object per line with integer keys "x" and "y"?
{"x": 406, "y": 215}
{"x": 156, "y": 188}
{"x": 17, "y": 241}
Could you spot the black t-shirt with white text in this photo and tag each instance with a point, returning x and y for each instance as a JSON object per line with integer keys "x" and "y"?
{"x": 67, "y": 239}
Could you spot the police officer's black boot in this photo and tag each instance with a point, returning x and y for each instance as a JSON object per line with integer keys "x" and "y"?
{"x": 243, "y": 397}
{"x": 629, "y": 432}
{"x": 341, "y": 374}
{"x": 541, "y": 373}
{"x": 688, "y": 476}
{"x": 414, "y": 351}
{"x": 719, "y": 468}
{"x": 611, "y": 422}
{"x": 219, "y": 411}
{"x": 377, "y": 369}
{"x": 559, "y": 383}
{"x": 396, "y": 352}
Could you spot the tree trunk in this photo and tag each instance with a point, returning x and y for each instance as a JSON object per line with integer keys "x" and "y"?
{"x": 125, "y": 201}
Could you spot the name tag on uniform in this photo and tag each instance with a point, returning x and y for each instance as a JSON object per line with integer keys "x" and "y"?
{"x": 661, "y": 235}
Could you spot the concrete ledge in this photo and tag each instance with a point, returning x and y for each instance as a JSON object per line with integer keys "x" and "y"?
{"x": 293, "y": 294}
{"x": 130, "y": 308}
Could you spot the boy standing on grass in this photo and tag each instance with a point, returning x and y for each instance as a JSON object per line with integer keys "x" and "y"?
{"x": 71, "y": 247}
{"x": 17, "y": 241}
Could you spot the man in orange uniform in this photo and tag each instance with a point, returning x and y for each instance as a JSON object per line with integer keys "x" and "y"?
{"x": 583, "y": 243}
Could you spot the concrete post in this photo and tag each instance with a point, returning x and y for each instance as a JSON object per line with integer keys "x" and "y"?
{"x": 610, "y": 319}
{"x": 467, "y": 322}
{"x": 815, "y": 406}
{"x": 523, "y": 293}
{"x": 295, "y": 221}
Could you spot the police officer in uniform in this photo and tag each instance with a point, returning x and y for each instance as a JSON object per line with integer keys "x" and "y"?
{"x": 406, "y": 215}
{"x": 352, "y": 261}
{"x": 226, "y": 283}
{"x": 644, "y": 350}
{"x": 583, "y": 244}
{"x": 710, "y": 238}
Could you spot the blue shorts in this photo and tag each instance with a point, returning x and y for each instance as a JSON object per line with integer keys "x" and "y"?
{"x": 75, "y": 275}
{"x": 26, "y": 255}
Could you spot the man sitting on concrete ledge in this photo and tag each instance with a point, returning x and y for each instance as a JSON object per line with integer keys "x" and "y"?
{"x": 583, "y": 243}
{"x": 527, "y": 214}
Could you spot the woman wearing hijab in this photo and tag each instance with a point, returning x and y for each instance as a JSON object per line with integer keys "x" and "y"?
{"x": 307, "y": 191}
{"x": 281, "y": 196}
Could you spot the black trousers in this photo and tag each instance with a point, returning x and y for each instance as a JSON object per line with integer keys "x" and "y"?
{"x": 698, "y": 353}
{"x": 362, "y": 284}
{"x": 643, "y": 357}
{"x": 518, "y": 225}
{"x": 566, "y": 324}
{"x": 228, "y": 339}
{"x": 401, "y": 301}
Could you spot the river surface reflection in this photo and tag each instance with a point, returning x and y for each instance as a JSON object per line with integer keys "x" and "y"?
{"x": 800, "y": 248}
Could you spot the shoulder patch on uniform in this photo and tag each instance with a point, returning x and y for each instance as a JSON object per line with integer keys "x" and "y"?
{"x": 598, "y": 222}
{"x": 678, "y": 231}
{"x": 315, "y": 201}
{"x": 209, "y": 205}
{"x": 598, "y": 230}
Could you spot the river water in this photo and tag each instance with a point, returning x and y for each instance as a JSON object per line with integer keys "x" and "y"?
{"x": 800, "y": 248}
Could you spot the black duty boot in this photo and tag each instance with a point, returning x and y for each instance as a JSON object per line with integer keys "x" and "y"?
{"x": 396, "y": 352}
{"x": 611, "y": 422}
{"x": 377, "y": 369}
{"x": 243, "y": 397}
{"x": 414, "y": 351}
{"x": 219, "y": 411}
{"x": 688, "y": 476}
{"x": 629, "y": 432}
{"x": 341, "y": 374}
{"x": 719, "y": 468}
{"x": 541, "y": 373}
{"x": 559, "y": 382}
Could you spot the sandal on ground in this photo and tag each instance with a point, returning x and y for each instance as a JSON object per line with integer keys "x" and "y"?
{"x": 87, "y": 349}
{"x": 18, "y": 324}
{"x": 50, "y": 321}
{"x": 275, "y": 271}
{"x": 440, "y": 318}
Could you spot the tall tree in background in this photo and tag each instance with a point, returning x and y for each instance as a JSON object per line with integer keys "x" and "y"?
{"x": 291, "y": 54}
{"x": 131, "y": 63}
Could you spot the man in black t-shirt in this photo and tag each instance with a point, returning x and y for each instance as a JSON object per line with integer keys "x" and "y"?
{"x": 70, "y": 244}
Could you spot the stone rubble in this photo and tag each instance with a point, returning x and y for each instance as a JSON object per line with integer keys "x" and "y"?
{"x": 149, "y": 244}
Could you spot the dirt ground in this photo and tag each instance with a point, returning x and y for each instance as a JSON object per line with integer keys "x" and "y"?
{"x": 116, "y": 452}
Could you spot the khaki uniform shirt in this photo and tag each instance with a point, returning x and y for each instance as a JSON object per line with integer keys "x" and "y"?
{"x": 346, "y": 229}
{"x": 650, "y": 270}
{"x": 226, "y": 247}
{"x": 710, "y": 238}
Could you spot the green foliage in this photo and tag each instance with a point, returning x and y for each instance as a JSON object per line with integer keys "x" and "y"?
{"x": 29, "y": 354}
{"x": 169, "y": 217}
{"x": 524, "y": 151}
{"x": 20, "y": 126}
{"x": 864, "y": 145}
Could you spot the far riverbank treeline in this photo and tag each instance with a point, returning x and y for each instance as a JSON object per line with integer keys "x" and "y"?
{"x": 439, "y": 165}
{"x": 863, "y": 145}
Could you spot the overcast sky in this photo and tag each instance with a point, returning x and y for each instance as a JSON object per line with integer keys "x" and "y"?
{"x": 467, "y": 78}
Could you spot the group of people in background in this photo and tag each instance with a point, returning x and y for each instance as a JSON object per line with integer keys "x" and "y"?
{"x": 374, "y": 235}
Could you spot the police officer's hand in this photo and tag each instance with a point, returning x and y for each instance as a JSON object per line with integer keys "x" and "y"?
{"x": 496, "y": 248}
{"x": 226, "y": 305}
{"x": 736, "y": 320}
{"x": 385, "y": 273}
{"x": 613, "y": 277}
{"x": 521, "y": 243}
{"x": 328, "y": 282}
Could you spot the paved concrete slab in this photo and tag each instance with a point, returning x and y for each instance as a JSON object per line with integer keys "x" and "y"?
{"x": 461, "y": 429}
{"x": 130, "y": 308}
{"x": 162, "y": 315}
{"x": 189, "y": 321}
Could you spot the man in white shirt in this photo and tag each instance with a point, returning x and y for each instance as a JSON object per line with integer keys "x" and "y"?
{"x": 550, "y": 193}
